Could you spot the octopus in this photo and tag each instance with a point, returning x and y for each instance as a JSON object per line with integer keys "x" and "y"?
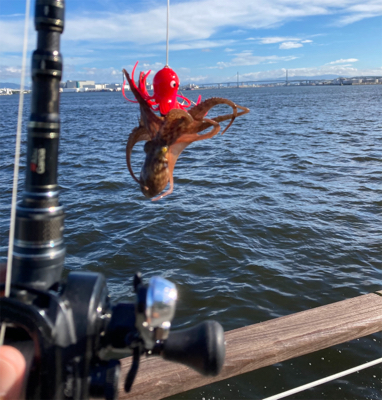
{"x": 167, "y": 136}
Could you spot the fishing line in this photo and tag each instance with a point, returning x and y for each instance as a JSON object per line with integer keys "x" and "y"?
{"x": 324, "y": 380}
{"x": 168, "y": 19}
{"x": 16, "y": 166}
{"x": 193, "y": 102}
{"x": 167, "y": 39}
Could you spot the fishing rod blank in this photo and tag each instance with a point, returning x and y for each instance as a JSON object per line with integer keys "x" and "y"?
{"x": 39, "y": 251}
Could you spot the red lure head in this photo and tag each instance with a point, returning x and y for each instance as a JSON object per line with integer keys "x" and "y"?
{"x": 166, "y": 84}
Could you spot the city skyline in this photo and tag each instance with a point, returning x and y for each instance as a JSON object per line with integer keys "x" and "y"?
{"x": 209, "y": 40}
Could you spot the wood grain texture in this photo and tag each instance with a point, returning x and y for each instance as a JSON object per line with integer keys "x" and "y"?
{"x": 263, "y": 344}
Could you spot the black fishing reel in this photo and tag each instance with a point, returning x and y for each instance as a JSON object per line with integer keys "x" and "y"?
{"x": 73, "y": 337}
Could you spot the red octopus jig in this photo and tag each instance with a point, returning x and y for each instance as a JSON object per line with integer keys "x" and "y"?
{"x": 166, "y": 84}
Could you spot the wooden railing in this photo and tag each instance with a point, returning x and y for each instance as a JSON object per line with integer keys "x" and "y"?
{"x": 263, "y": 344}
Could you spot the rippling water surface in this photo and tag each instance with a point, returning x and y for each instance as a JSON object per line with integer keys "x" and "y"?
{"x": 280, "y": 214}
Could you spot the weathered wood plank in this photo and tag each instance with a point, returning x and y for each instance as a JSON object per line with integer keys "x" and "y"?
{"x": 263, "y": 344}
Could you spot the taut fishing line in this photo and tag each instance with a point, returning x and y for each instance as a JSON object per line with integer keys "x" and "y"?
{"x": 16, "y": 166}
{"x": 167, "y": 30}
{"x": 324, "y": 380}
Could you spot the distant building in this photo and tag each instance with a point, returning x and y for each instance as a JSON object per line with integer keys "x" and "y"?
{"x": 191, "y": 86}
{"x": 75, "y": 84}
{"x": 113, "y": 86}
{"x": 370, "y": 80}
{"x": 81, "y": 84}
{"x": 71, "y": 84}
{"x": 6, "y": 91}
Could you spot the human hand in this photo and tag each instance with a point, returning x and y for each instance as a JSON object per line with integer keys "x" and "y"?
{"x": 12, "y": 372}
{"x": 12, "y": 365}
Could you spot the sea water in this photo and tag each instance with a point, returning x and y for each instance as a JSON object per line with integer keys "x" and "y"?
{"x": 279, "y": 215}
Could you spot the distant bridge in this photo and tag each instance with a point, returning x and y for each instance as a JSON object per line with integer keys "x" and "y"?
{"x": 285, "y": 82}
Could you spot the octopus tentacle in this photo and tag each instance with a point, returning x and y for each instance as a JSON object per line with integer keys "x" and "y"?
{"x": 132, "y": 84}
{"x": 178, "y": 146}
{"x": 176, "y": 114}
{"x": 201, "y": 109}
{"x": 175, "y": 124}
{"x": 191, "y": 136}
{"x": 171, "y": 165}
{"x": 150, "y": 120}
{"x": 184, "y": 140}
{"x": 222, "y": 118}
{"x": 124, "y": 95}
{"x": 138, "y": 134}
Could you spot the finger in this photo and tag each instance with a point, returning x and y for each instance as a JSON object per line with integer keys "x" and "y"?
{"x": 12, "y": 371}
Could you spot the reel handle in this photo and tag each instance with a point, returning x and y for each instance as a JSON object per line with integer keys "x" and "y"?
{"x": 200, "y": 347}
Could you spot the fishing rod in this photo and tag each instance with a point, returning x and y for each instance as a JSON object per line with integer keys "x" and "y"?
{"x": 68, "y": 330}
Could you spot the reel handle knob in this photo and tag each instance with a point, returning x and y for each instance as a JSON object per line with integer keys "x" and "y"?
{"x": 201, "y": 347}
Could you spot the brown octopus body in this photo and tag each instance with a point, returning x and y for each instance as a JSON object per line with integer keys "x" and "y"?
{"x": 168, "y": 136}
{"x": 154, "y": 174}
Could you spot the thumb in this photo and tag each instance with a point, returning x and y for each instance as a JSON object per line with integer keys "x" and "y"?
{"x": 12, "y": 371}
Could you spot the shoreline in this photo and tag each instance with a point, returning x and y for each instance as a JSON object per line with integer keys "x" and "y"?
{"x": 16, "y": 92}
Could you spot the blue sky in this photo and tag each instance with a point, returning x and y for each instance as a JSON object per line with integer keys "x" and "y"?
{"x": 210, "y": 40}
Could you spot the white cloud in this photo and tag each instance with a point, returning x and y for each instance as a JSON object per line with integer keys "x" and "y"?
{"x": 336, "y": 70}
{"x": 7, "y": 72}
{"x": 198, "y": 44}
{"x": 142, "y": 30}
{"x": 80, "y": 60}
{"x": 289, "y": 45}
{"x": 13, "y": 73}
{"x": 100, "y": 75}
{"x": 200, "y": 78}
{"x": 106, "y": 75}
{"x": 147, "y": 26}
{"x": 276, "y": 39}
{"x": 286, "y": 41}
{"x": 361, "y": 10}
{"x": 237, "y": 31}
{"x": 146, "y": 67}
{"x": 247, "y": 58}
{"x": 12, "y": 35}
{"x": 279, "y": 74}
{"x": 342, "y": 61}
{"x": 109, "y": 75}
{"x": 182, "y": 70}
{"x": 312, "y": 72}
